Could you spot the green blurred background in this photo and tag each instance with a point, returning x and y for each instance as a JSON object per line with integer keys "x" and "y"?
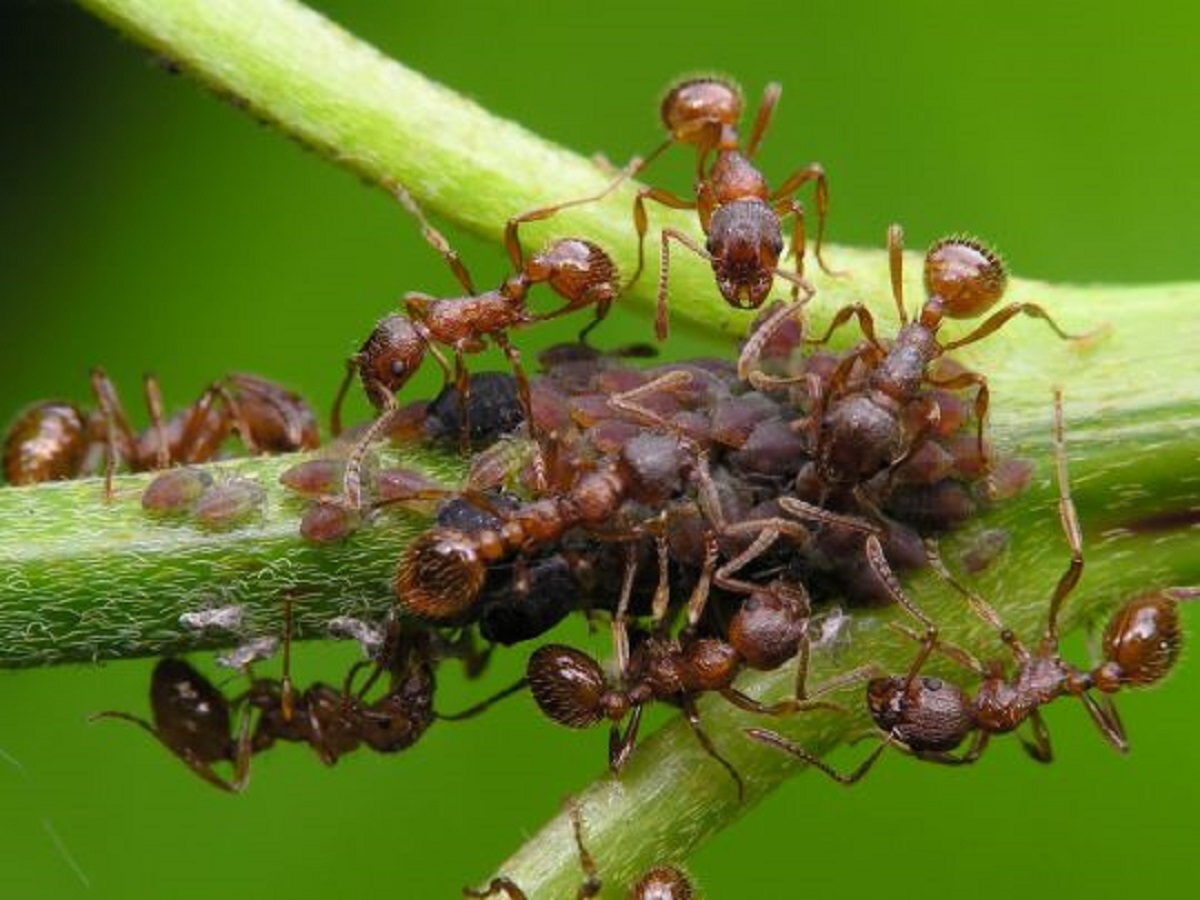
{"x": 148, "y": 226}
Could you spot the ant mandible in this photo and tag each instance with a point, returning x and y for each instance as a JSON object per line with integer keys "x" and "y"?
{"x": 739, "y": 214}
{"x": 578, "y": 270}
{"x": 931, "y": 717}
{"x": 56, "y": 440}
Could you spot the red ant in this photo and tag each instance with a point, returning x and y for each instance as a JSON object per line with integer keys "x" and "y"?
{"x": 56, "y": 440}
{"x": 930, "y": 717}
{"x": 862, "y": 432}
{"x": 739, "y": 214}
{"x": 578, "y": 270}
{"x": 657, "y": 883}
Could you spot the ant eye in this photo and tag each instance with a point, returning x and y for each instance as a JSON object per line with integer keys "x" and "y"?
{"x": 398, "y": 368}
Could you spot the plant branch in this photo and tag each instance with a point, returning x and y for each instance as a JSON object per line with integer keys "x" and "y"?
{"x": 71, "y": 566}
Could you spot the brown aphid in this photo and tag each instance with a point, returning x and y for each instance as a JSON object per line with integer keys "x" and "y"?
{"x": 314, "y": 477}
{"x": 175, "y": 492}
{"x": 229, "y": 503}
{"x": 328, "y": 521}
{"x": 192, "y": 720}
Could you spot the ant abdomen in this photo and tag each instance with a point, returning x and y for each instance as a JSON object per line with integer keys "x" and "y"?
{"x": 47, "y": 443}
{"x": 441, "y": 574}
{"x": 663, "y": 883}
{"x": 567, "y": 685}
{"x": 931, "y": 715}
{"x": 1142, "y": 641}
{"x": 966, "y": 276}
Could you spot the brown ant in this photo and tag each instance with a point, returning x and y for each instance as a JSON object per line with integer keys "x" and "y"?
{"x": 930, "y": 717}
{"x": 578, "y": 270}
{"x": 658, "y": 883}
{"x": 739, "y": 214}
{"x": 862, "y": 432}
{"x": 57, "y": 440}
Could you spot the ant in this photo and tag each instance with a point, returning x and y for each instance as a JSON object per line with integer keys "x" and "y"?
{"x": 863, "y": 431}
{"x": 739, "y": 214}
{"x": 57, "y": 440}
{"x": 658, "y": 883}
{"x": 931, "y": 717}
{"x": 578, "y": 270}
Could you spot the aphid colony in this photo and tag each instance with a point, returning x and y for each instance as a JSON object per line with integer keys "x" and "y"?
{"x": 706, "y": 508}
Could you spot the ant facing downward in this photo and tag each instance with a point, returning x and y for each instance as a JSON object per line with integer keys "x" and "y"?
{"x": 578, "y": 270}
{"x": 931, "y": 717}
{"x": 739, "y": 214}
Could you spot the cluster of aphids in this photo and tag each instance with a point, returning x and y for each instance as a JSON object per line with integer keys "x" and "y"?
{"x": 706, "y": 508}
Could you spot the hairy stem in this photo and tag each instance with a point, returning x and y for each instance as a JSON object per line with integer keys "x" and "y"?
{"x": 81, "y": 579}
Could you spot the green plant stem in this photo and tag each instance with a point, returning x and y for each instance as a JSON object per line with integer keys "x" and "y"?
{"x": 1132, "y": 400}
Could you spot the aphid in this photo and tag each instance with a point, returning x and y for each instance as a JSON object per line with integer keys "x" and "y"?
{"x": 175, "y": 491}
{"x": 578, "y": 270}
{"x": 931, "y": 717}
{"x": 861, "y": 432}
{"x": 229, "y": 503}
{"x": 192, "y": 720}
{"x": 739, "y": 214}
{"x": 658, "y": 883}
{"x": 58, "y": 440}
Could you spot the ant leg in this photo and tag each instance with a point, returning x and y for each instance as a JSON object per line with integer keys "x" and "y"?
{"x": 287, "y": 689}
{"x": 1070, "y": 525}
{"x": 482, "y": 705}
{"x": 660, "y": 314}
{"x": 980, "y": 607}
{"x": 762, "y": 119}
{"x": 501, "y": 885}
{"x": 699, "y": 597}
{"x": 620, "y": 632}
{"x": 771, "y": 739}
{"x": 999, "y": 318}
{"x": 621, "y": 745}
{"x": 642, "y": 224}
{"x": 953, "y": 652}
{"x": 335, "y": 417}
{"x": 432, "y": 236}
{"x": 511, "y": 239}
{"x": 752, "y": 349}
{"x": 693, "y": 719}
{"x": 1039, "y": 747}
{"x": 526, "y": 397}
{"x": 154, "y": 405}
{"x": 352, "y": 477}
{"x": 811, "y": 172}
{"x": 879, "y": 565}
{"x": 116, "y": 424}
{"x": 1107, "y": 721}
{"x": 802, "y": 510}
{"x": 201, "y": 768}
{"x": 948, "y": 759}
{"x": 591, "y": 880}
{"x": 866, "y": 322}
{"x": 982, "y": 398}
{"x": 895, "y": 245}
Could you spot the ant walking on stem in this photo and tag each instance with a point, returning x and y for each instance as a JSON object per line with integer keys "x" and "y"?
{"x": 739, "y": 213}
{"x": 578, "y": 270}
{"x": 931, "y": 717}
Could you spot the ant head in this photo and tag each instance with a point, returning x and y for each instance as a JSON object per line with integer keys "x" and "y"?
{"x": 769, "y": 625}
{"x": 576, "y": 269}
{"x": 663, "y": 883}
{"x": 966, "y": 276}
{"x": 567, "y": 686}
{"x": 745, "y": 243}
{"x": 1143, "y": 639}
{"x": 390, "y": 356}
{"x": 931, "y": 715}
{"x": 698, "y": 110}
{"x": 441, "y": 575}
